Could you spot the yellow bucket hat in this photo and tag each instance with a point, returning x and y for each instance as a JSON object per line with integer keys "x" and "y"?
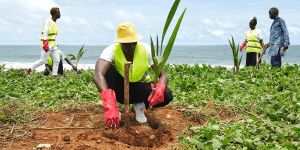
{"x": 127, "y": 33}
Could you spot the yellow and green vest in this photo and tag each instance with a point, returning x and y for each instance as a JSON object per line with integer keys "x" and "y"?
{"x": 139, "y": 68}
{"x": 49, "y": 60}
{"x": 52, "y": 32}
{"x": 253, "y": 43}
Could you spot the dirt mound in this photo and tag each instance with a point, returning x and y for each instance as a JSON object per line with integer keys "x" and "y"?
{"x": 145, "y": 138}
{"x": 84, "y": 128}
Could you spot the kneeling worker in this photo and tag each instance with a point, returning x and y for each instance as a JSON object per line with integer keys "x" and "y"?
{"x": 49, "y": 64}
{"x": 109, "y": 76}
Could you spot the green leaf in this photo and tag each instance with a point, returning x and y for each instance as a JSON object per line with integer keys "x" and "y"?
{"x": 169, "y": 20}
{"x": 157, "y": 46}
{"x": 171, "y": 42}
{"x": 73, "y": 57}
{"x": 215, "y": 127}
{"x": 152, "y": 48}
{"x": 227, "y": 141}
{"x": 200, "y": 145}
{"x": 216, "y": 144}
{"x": 208, "y": 135}
{"x": 240, "y": 140}
{"x": 250, "y": 146}
{"x": 283, "y": 79}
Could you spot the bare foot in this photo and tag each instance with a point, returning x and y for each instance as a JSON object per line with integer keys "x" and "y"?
{"x": 27, "y": 71}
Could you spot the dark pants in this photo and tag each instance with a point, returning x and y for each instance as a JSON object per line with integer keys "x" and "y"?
{"x": 138, "y": 91}
{"x": 276, "y": 60}
{"x": 60, "y": 69}
{"x": 252, "y": 58}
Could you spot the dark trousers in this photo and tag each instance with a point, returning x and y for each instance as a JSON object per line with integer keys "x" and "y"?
{"x": 138, "y": 91}
{"x": 252, "y": 58}
{"x": 60, "y": 69}
{"x": 276, "y": 60}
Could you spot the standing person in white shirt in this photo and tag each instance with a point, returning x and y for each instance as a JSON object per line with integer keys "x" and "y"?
{"x": 254, "y": 42}
{"x": 49, "y": 47}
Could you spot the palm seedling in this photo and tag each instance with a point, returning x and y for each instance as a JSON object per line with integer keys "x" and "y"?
{"x": 158, "y": 60}
{"x": 79, "y": 55}
{"x": 235, "y": 52}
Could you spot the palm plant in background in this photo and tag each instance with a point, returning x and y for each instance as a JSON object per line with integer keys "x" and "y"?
{"x": 79, "y": 55}
{"x": 158, "y": 60}
{"x": 235, "y": 52}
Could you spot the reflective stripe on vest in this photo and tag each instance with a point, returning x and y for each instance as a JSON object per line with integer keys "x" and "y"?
{"x": 138, "y": 69}
{"x": 52, "y": 32}
{"x": 253, "y": 43}
{"x": 49, "y": 60}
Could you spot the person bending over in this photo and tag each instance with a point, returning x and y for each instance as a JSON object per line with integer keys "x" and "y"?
{"x": 49, "y": 64}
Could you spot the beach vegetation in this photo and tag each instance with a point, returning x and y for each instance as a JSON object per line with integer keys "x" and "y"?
{"x": 264, "y": 103}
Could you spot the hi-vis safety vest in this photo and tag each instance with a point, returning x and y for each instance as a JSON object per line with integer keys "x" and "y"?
{"x": 139, "y": 69}
{"x": 49, "y": 60}
{"x": 52, "y": 32}
{"x": 253, "y": 43}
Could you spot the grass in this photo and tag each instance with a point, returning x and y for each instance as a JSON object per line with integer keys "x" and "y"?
{"x": 272, "y": 94}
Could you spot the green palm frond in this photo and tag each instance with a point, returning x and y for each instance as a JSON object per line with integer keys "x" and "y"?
{"x": 79, "y": 55}
{"x": 235, "y": 52}
{"x": 159, "y": 61}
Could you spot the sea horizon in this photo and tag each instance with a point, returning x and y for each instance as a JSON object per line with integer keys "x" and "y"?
{"x": 23, "y": 56}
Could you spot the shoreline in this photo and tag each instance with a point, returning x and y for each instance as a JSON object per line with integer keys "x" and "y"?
{"x": 21, "y": 65}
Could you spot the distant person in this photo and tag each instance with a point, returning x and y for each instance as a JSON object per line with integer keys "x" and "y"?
{"x": 109, "y": 76}
{"x": 253, "y": 42}
{"x": 279, "y": 38}
{"x": 49, "y": 64}
{"x": 49, "y": 48}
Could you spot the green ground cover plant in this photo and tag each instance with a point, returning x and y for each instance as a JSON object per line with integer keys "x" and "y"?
{"x": 274, "y": 95}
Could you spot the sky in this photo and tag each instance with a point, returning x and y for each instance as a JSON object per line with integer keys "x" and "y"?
{"x": 94, "y": 22}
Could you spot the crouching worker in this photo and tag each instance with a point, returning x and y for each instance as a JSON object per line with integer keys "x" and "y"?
{"x": 109, "y": 76}
{"x": 49, "y": 64}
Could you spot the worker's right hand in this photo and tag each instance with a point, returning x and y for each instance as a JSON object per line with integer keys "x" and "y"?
{"x": 111, "y": 111}
{"x": 46, "y": 46}
{"x": 267, "y": 45}
{"x": 242, "y": 46}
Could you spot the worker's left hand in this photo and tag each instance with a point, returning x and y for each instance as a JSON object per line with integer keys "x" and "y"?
{"x": 158, "y": 96}
{"x": 285, "y": 47}
{"x": 242, "y": 46}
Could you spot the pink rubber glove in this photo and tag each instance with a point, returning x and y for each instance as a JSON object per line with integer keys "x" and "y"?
{"x": 46, "y": 46}
{"x": 242, "y": 46}
{"x": 158, "y": 95}
{"x": 111, "y": 111}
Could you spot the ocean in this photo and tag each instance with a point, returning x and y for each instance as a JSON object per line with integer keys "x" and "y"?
{"x": 18, "y": 56}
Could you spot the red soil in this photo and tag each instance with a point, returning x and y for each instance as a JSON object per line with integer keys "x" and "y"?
{"x": 85, "y": 129}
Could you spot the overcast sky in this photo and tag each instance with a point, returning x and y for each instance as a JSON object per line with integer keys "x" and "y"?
{"x": 94, "y": 22}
